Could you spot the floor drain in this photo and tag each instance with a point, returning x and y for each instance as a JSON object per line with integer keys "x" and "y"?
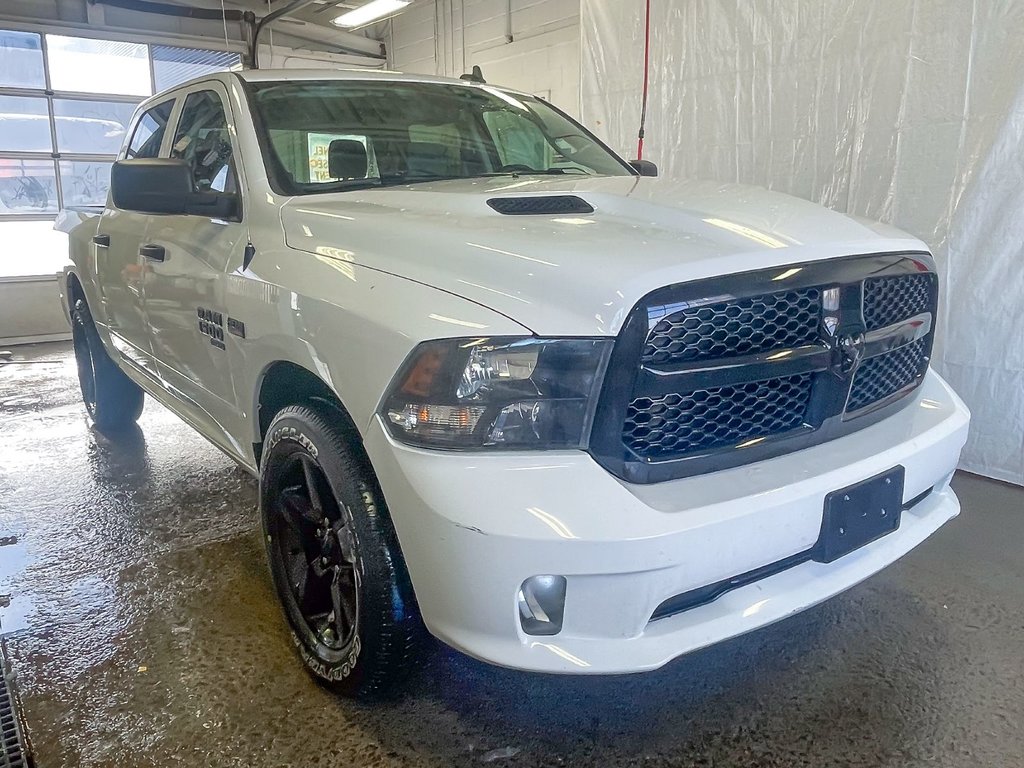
{"x": 13, "y": 753}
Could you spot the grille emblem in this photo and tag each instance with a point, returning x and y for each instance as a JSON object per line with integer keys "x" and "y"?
{"x": 849, "y": 350}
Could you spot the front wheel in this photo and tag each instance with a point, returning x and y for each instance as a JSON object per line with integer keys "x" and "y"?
{"x": 334, "y": 556}
{"x": 114, "y": 401}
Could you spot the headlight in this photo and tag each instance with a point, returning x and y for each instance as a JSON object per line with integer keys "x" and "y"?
{"x": 497, "y": 393}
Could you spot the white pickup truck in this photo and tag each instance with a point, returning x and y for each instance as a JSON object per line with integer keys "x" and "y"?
{"x": 501, "y": 384}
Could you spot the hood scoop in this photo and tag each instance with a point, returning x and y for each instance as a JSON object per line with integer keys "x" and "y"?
{"x": 540, "y": 205}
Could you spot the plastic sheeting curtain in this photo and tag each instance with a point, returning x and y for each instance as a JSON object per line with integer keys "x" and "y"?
{"x": 908, "y": 111}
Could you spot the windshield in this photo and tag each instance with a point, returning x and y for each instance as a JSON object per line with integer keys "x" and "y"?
{"x": 322, "y": 136}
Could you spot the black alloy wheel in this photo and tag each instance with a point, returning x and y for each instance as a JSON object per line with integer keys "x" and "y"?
{"x": 317, "y": 546}
{"x": 334, "y": 555}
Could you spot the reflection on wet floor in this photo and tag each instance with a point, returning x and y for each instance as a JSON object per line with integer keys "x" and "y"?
{"x": 143, "y": 631}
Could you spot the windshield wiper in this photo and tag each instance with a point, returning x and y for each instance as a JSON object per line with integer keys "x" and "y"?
{"x": 348, "y": 184}
{"x": 400, "y": 179}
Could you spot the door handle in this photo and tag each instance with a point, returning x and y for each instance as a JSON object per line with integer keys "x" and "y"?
{"x": 153, "y": 252}
{"x": 103, "y": 240}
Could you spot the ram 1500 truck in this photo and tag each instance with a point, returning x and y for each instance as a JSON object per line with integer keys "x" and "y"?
{"x": 498, "y": 383}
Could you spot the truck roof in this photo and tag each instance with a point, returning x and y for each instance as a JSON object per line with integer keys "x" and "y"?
{"x": 350, "y": 73}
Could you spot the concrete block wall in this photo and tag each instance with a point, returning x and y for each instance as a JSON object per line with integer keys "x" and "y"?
{"x": 538, "y": 52}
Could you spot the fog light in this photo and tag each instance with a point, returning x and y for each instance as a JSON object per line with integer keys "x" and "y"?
{"x": 541, "y": 605}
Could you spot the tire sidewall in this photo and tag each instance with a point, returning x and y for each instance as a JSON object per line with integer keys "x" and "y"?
{"x": 84, "y": 346}
{"x": 294, "y": 431}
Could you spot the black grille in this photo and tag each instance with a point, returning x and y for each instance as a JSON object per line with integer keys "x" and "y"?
{"x": 885, "y": 375}
{"x": 730, "y": 370}
{"x": 737, "y": 327}
{"x": 889, "y": 300}
{"x": 715, "y": 418}
{"x": 537, "y": 206}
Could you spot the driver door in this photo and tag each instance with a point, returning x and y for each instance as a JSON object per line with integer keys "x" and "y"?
{"x": 119, "y": 262}
{"x": 185, "y": 282}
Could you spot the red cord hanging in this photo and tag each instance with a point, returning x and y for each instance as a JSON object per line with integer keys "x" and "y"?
{"x": 647, "y": 67}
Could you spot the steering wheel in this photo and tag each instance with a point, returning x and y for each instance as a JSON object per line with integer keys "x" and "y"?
{"x": 518, "y": 168}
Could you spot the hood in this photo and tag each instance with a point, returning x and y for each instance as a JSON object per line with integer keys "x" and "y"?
{"x": 575, "y": 274}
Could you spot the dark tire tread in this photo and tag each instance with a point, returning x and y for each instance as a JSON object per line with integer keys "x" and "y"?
{"x": 390, "y": 648}
{"x": 118, "y": 399}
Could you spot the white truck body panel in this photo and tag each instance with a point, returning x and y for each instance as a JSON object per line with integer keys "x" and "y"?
{"x": 345, "y": 285}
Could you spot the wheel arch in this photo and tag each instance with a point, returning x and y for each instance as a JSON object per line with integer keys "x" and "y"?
{"x": 282, "y": 383}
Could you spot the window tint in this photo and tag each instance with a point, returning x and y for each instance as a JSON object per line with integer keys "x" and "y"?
{"x": 149, "y": 133}
{"x": 518, "y": 140}
{"x": 419, "y": 132}
{"x": 203, "y": 142}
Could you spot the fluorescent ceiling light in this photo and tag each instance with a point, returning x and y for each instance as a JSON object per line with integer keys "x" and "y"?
{"x": 372, "y": 11}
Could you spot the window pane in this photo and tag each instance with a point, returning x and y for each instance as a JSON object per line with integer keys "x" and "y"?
{"x": 92, "y": 127}
{"x": 84, "y": 183}
{"x": 21, "y": 60}
{"x": 97, "y": 66}
{"x": 27, "y": 186}
{"x": 149, "y": 133}
{"x": 202, "y": 141}
{"x": 176, "y": 65}
{"x": 24, "y": 124}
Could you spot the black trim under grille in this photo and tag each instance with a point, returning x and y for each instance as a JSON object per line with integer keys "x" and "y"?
{"x": 695, "y": 598}
{"x": 735, "y": 369}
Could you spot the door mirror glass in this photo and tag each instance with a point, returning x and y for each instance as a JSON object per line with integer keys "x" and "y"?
{"x": 164, "y": 186}
{"x": 644, "y": 167}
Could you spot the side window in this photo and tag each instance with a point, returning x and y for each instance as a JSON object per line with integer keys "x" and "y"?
{"x": 149, "y": 132}
{"x": 203, "y": 142}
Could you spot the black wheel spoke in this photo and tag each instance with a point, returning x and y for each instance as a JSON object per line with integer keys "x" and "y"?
{"x": 297, "y": 509}
{"x": 344, "y": 598}
{"x": 313, "y": 485}
{"x": 298, "y": 575}
{"x": 319, "y": 551}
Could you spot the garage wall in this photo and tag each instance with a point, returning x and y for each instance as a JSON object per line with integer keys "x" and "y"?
{"x": 447, "y": 37}
{"x": 33, "y": 253}
{"x": 910, "y": 111}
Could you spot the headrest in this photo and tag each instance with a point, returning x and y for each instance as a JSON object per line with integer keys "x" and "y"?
{"x": 346, "y": 159}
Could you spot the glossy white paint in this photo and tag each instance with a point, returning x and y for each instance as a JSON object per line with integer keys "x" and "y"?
{"x": 576, "y": 275}
{"x": 345, "y": 285}
{"x": 624, "y": 548}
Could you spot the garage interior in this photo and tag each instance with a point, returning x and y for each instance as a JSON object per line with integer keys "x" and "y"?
{"x": 137, "y": 620}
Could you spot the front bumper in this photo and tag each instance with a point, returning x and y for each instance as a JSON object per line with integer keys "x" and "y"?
{"x": 474, "y": 526}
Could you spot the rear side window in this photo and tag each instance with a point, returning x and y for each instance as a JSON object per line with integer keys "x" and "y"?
{"x": 202, "y": 140}
{"x": 149, "y": 132}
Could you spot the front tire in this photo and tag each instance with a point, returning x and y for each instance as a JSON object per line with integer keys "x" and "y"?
{"x": 114, "y": 401}
{"x": 334, "y": 556}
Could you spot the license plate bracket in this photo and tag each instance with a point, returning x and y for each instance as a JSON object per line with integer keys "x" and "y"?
{"x": 859, "y": 514}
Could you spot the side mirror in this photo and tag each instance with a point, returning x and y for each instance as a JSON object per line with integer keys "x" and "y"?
{"x": 163, "y": 186}
{"x": 644, "y": 167}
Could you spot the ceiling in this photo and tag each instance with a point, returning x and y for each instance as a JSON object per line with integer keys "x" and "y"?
{"x": 320, "y": 12}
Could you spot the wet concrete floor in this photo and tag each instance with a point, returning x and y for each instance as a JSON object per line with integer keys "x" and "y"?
{"x": 142, "y": 631}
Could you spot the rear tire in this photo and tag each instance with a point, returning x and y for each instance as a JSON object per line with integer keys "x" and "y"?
{"x": 334, "y": 556}
{"x": 114, "y": 401}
